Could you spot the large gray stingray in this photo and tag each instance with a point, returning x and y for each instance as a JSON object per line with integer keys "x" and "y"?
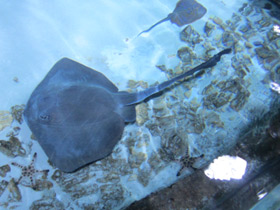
{"x": 78, "y": 115}
{"x": 185, "y": 12}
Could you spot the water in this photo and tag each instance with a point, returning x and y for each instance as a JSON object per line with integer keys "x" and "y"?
{"x": 214, "y": 114}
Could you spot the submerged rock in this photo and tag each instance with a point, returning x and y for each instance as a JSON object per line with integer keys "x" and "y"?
{"x": 233, "y": 23}
{"x": 155, "y": 162}
{"x": 143, "y": 175}
{"x": 47, "y": 202}
{"x": 228, "y": 39}
{"x": 6, "y": 119}
{"x": 3, "y": 185}
{"x": 12, "y": 147}
{"x": 264, "y": 22}
{"x": 164, "y": 69}
{"x": 14, "y": 195}
{"x": 135, "y": 84}
{"x": 219, "y": 22}
{"x": 209, "y": 28}
{"x": 241, "y": 64}
{"x": 190, "y": 36}
{"x": 42, "y": 184}
{"x": 135, "y": 159}
{"x": 14, "y": 132}
{"x": 246, "y": 9}
{"x": 186, "y": 55}
{"x": 267, "y": 56}
{"x": 112, "y": 196}
{"x": 4, "y": 170}
{"x": 231, "y": 92}
{"x": 17, "y": 112}
{"x": 212, "y": 119}
{"x": 141, "y": 113}
{"x": 160, "y": 107}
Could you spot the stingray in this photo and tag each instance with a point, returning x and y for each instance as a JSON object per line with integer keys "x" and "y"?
{"x": 186, "y": 11}
{"x": 78, "y": 115}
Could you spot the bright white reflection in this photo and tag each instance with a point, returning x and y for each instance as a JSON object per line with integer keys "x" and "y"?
{"x": 276, "y": 29}
{"x": 261, "y": 194}
{"x": 144, "y": 34}
{"x": 226, "y": 167}
{"x": 275, "y": 86}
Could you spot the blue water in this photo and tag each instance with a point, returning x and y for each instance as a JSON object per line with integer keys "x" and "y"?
{"x": 206, "y": 116}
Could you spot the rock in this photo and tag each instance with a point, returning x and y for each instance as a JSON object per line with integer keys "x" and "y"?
{"x": 264, "y": 22}
{"x": 213, "y": 119}
{"x": 4, "y": 170}
{"x": 3, "y": 185}
{"x": 42, "y": 184}
{"x": 238, "y": 47}
{"x": 160, "y": 107}
{"x": 135, "y": 84}
{"x": 267, "y": 56}
{"x": 6, "y": 119}
{"x": 186, "y": 55}
{"x": 132, "y": 84}
{"x": 233, "y": 23}
{"x": 246, "y": 9}
{"x": 248, "y": 45}
{"x": 15, "y": 79}
{"x": 12, "y": 147}
{"x": 112, "y": 195}
{"x": 190, "y": 36}
{"x": 143, "y": 175}
{"x": 164, "y": 69}
{"x": 155, "y": 162}
{"x": 264, "y": 52}
{"x": 240, "y": 100}
{"x": 228, "y": 39}
{"x": 219, "y": 22}
{"x": 109, "y": 177}
{"x": 17, "y": 112}
{"x": 172, "y": 146}
{"x": 141, "y": 113}
{"x": 241, "y": 64}
{"x": 135, "y": 159}
{"x": 209, "y": 28}
{"x": 231, "y": 92}
{"x": 245, "y": 28}
{"x": 14, "y": 132}
{"x": 14, "y": 195}
{"x": 47, "y": 202}
{"x": 277, "y": 43}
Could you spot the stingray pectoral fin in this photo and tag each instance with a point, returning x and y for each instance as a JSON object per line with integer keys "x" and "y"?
{"x": 69, "y": 147}
{"x": 68, "y": 72}
{"x": 128, "y": 113}
{"x": 159, "y": 22}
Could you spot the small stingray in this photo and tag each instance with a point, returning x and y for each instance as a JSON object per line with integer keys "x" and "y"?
{"x": 186, "y": 11}
{"x": 78, "y": 115}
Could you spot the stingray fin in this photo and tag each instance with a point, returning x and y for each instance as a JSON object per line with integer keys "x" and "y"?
{"x": 128, "y": 113}
{"x": 67, "y": 72}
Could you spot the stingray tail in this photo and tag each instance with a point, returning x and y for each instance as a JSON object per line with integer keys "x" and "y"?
{"x": 135, "y": 98}
{"x": 159, "y": 22}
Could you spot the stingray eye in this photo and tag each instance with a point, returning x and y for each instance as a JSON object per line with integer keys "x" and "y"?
{"x": 45, "y": 117}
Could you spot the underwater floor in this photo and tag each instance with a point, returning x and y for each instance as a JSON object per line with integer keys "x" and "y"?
{"x": 230, "y": 110}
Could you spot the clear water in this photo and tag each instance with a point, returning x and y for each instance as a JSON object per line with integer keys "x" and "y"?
{"x": 224, "y": 111}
